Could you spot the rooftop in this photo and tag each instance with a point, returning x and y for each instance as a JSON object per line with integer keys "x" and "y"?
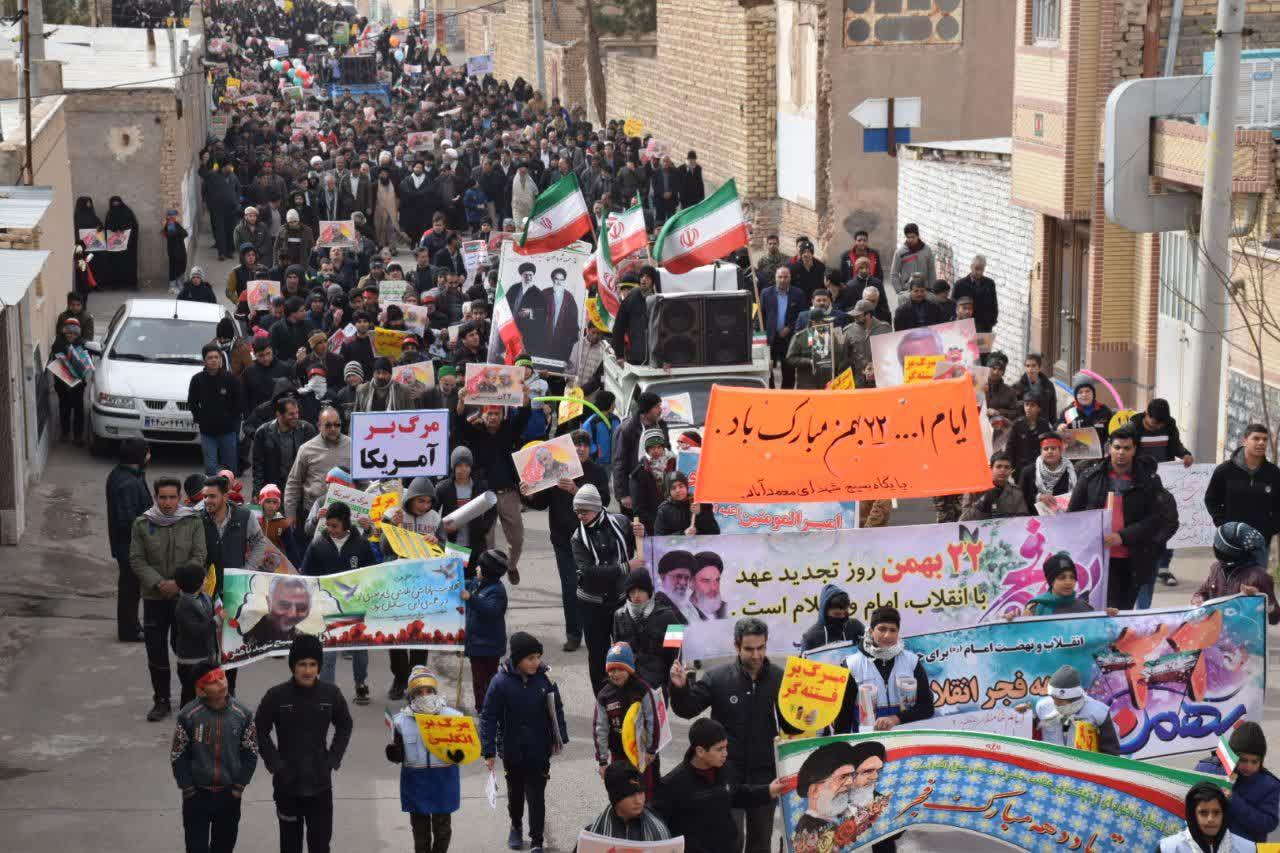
{"x": 1001, "y": 145}
{"x": 18, "y": 271}
{"x": 104, "y": 57}
{"x": 23, "y": 207}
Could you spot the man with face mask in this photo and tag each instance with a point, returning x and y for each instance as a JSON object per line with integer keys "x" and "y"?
{"x": 430, "y": 789}
{"x": 834, "y": 624}
{"x": 1069, "y": 717}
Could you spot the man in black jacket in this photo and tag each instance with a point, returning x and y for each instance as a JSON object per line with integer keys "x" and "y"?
{"x": 1159, "y": 440}
{"x": 260, "y": 377}
{"x": 986, "y": 306}
{"x": 301, "y": 759}
{"x": 562, "y": 522}
{"x": 917, "y": 310}
{"x": 1247, "y": 487}
{"x": 276, "y": 443}
{"x": 127, "y": 498}
{"x": 631, "y": 327}
{"x": 626, "y": 444}
{"x": 742, "y": 696}
{"x": 604, "y": 551}
{"x": 216, "y": 403}
{"x": 1138, "y": 521}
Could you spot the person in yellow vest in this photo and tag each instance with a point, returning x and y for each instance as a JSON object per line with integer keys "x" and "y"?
{"x": 1068, "y": 717}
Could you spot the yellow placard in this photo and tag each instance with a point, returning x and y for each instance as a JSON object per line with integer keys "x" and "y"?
{"x": 210, "y": 584}
{"x": 407, "y": 544}
{"x": 288, "y": 7}
{"x": 629, "y": 734}
{"x": 382, "y": 503}
{"x": 451, "y": 739}
{"x": 233, "y": 82}
{"x": 811, "y": 693}
{"x": 633, "y": 127}
{"x": 388, "y": 342}
{"x": 843, "y": 382}
{"x": 920, "y": 368}
{"x": 1119, "y": 419}
{"x": 570, "y": 409}
{"x": 1086, "y": 736}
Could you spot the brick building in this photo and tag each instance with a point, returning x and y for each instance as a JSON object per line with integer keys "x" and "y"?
{"x": 508, "y": 35}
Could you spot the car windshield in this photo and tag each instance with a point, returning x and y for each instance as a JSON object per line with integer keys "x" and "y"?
{"x": 161, "y": 339}
{"x": 699, "y": 391}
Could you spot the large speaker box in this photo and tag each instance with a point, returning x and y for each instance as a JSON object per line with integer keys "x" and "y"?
{"x": 700, "y": 329}
{"x": 358, "y": 70}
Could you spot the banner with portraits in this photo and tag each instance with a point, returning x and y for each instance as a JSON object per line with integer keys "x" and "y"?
{"x": 548, "y": 300}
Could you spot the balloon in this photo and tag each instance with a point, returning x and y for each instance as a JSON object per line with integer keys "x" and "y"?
{"x": 275, "y": 65}
{"x": 286, "y": 65}
{"x": 298, "y": 65}
{"x": 1105, "y": 384}
{"x": 399, "y": 55}
{"x": 395, "y": 41}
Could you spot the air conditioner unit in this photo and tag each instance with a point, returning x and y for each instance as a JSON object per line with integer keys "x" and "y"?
{"x": 1258, "y": 100}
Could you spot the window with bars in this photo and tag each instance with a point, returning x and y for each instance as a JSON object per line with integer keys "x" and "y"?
{"x": 1045, "y": 20}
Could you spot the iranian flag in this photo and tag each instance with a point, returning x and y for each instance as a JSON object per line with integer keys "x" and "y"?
{"x": 1226, "y": 755}
{"x": 627, "y": 233}
{"x": 504, "y": 326}
{"x": 600, "y": 272}
{"x": 704, "y": 233}
{"x": 559, "y": 217}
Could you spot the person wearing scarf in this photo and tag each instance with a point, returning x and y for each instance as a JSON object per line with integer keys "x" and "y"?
{"x": 1060, "y": 596}
{"x": 902, "y": 693}
{"x": 1206, "y": 830}
{"x": 1241, "y": 567}
{"x": 1070, "y": 717}
{"x": 604, "y": 551}
{"x": 1049, "y": 475}
{"x": 430, "y": 788}
{"x": 1087, "y": 411}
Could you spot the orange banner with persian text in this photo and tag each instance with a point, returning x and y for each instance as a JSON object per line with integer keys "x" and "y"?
{"x": 908, "y": 441}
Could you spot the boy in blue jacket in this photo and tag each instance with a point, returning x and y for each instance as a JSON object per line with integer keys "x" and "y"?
{"x": 1253, "y": 812}
{"x": 485, "y": 597}
{"x": 430, "y": 789}
{"x": 524, "y": 716}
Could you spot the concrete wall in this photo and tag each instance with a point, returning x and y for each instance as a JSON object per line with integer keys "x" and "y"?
{"x": 966, "y": 90}
{"x": 963, "y": 207}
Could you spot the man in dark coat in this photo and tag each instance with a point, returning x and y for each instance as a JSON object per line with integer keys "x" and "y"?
{"x": 127, "y": 498}
{"x": 692, "y": 189}
{"x": 986, "y": 305}
{"x": 1247, "y": 486}
{"x": 626, "y": 444}
{"x": 276, "y": 443}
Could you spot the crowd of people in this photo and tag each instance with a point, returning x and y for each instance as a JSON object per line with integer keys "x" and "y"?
{"x": 277, "y": 391}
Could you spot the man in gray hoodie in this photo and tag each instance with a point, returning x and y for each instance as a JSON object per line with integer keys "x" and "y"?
{"x": 913, "y": 256}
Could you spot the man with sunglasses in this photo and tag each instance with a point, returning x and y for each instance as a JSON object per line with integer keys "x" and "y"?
{"x": 316, "y": 457}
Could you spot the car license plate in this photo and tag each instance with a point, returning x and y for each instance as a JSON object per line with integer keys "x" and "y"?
{"x": 167, "y": 423}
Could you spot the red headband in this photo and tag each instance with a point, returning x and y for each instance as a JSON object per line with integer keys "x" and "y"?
{"x": 209, "y": 677}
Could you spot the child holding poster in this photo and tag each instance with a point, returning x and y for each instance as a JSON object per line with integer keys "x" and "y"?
{"x": 430, "y": 789}
{"x": 652, "y": 476}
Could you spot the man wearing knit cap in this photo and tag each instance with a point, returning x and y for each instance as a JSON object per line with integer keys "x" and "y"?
{"x": 627, "y": 818}
{"x": 837, "y": 783}
{"x": 301, "y": 758}
{"x": 902, "y": 693}
{"x": 345, "y": 399}
{"x": 381, "y": 394}
{"x": 1069, "y": 717}
{"x": 524, "y": 716}
{"x": 604, "y": 550}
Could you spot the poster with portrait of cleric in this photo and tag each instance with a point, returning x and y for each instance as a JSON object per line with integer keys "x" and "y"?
{"x": 548, "y": 299}
{"x": 954, "y": 342}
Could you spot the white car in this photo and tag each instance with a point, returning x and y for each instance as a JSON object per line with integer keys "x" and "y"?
{"x": 143, "y": 367}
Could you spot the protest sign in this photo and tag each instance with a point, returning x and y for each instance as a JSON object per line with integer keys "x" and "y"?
{"x": 218, "y": 126}
{"x": 258, "y": 295}
{"x": 417, "y": 377}
{"x": 94, "y": 239}
{"x": 936, "y": 575}
{"x": 479, "y": 65}
{"x": 306, "y": 119}
{"x": 843, "y": 382}
{"x": 570, "y": 407}
{"x": 589, "y": 842}
{"x": 954, "y": 341}
{"x": 416, "y": 318}
{"x": 341, "y": 33}
{"x": 544, "y": 464}
{"x": 919, "y": 368}
{"x": 1174, "y": 679}
{"x": 1082, "y": 443}
{"x": 388, "y": 343}
{"x": 1187, "y": 485}
{"x": 340, "y": 337}
{"x": 360, "y": 502}
{"x": 390, "y": 292}
{"x": 399, "y": 444}
{"x": 774, "y": 518}
{"x": 452, "y": 739}
{"x": 915, "y": 441}
{"x": 494, "y": 385}
{"x": 339, "y": 233}
{"x": 546, "y": 297}
{"x": 811, "y": 694}
{"x": 422, "y": 140}
{"x": 678, "y": 409}
{"x": 118, "y": 241}
{"x": 408, "y": 544}
{"x": 474, "y": 254}
{"x": 633, "y": 126}
{"x": 1023, "y": 794}
{"x": 279, "y": 47}
{"x": 401, "y": 604}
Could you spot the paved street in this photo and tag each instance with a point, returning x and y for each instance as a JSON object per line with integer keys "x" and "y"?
{"x": 81, "y": 769}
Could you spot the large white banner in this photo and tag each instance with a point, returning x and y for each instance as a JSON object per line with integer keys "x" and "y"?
{"x": 399, "y": 444}
{"x": 1187, "y": 485}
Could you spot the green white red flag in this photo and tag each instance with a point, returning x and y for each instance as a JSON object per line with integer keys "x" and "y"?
{"x": 704, "y": 233}
{"x": 504, "y": 322}
{"x": 559, "y": 217}
{"x": 601, "y": 272}
{"x": 1226, "y": 755}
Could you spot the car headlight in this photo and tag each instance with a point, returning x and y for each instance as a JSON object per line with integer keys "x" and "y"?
{"x": 115, "y": 401}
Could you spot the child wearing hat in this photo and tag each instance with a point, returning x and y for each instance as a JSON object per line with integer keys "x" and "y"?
{"x": 1254, "y": 809}
{"x": 622, "y": 689}
{"x": 651, "y": 478}
{"x": 485, "y": 598}
{"x": 278, "y": 527}
{"x": 677, "y": 515}
{"x": 1070, "y": 717}
{"x": 195, "y": 629}
{"x": 627, "y": 818}
{"x": 430, "y": 789}
{"x": 1060, "y": 577}
{"x": 524, "y": 718}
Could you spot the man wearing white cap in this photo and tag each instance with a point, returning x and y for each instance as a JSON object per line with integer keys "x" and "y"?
{"x": 1068, "y": 717}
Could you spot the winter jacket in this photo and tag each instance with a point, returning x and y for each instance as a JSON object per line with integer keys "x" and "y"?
{"x": 631, "y": 328}
{"x": 398, "y": 398}
{"x": 626, "y": 452}
{"x": 697, "y": 805}
{"x": 907, "y": 261}
{"x": 427, "y": 784}
{"x": 645, "y": 635}
{"x": 1145, "y": 514}
{"x": 997, "y": 502}
{"x": 986, "y": 307}
{"x": 306, "y": 480}
{"x": 522, "y": 717}
{"x": 302, "y": 759}
{"x": 561, "y": 519}
{"x": 323, "y": 556}
{"x": 238, "y": 544}
{"x": 127, "y": 498}
{"x": 823, "y": 632}
{"x": 259, "y": 235}
{"x": 1098, "y": 417}
{"x": 492, "y": 450}
{"x": 1027, "y": 483}
{"x": 1235, "y": 493}
{"x": 216, "y": 401}
{"x": 275, "y": 450}
{"x": 195, "y": 637}
{"x": 1044, "y": 390}
{"x": 612, "y": 704}
{"x": 1023, "y": 444}
{"x": 193, "y": 292}
{"x": 673, "y": 519}
{"x": 447, "y": 499}
{"x": 260, "y": 383}
{"x": 288, "y": 337}
{"x": 486, "y": 617}
{"x": 214, "y": 748}
{"x": 601, "y": 432}
{"x": 601, "y": 565}
{"x": 1162, "y": 445}
{"x": 854, "y": 346}
{"x": 155, "y": 553}
{"x": 646, "y": 826}
{"x": 746, "y": 708}
{"x": 1219, "y": 584}
{"x": 906, "y": 315}
{"x": 1253, "y": 812}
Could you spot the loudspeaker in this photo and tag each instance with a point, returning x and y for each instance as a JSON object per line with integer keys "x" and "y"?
{"x": 697, "y": 329}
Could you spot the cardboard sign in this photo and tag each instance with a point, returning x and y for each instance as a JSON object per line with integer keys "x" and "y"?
{"x": 812, "y": 693}
{"x": 494, "y": 385}
{"x": 890, "y": 352}
{"x": 474, "y": 254}
{"x": 544, "y": 464}
{"x": 388, "y": 342}
{"x": 1187, "y": 485}
{"x": 94, "y": 240}
{"x": 919, "y": 368}
{"x": 339, "y": 233}
{"x": 399, "y": 444}
{"x": 843, "y": 382}
{"x": 391, "y": 292}
{"x": 359, "y": 502}
{"x": 479, "y": 65}
{"x": 118, "y": 241}
{"x": 450, "y": 739}
{"x": 421, "y": 141}
{"x": 678, "y": 409}
{"x": 417, "y": 377}
{"x": 1082, "y": 443}
{"x": 259, "y": 293}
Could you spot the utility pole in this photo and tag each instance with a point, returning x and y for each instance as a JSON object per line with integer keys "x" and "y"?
{"x": 1215, "y": 242}
{"x": 537, "y": 48}
{"x": 28, "y": 172}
